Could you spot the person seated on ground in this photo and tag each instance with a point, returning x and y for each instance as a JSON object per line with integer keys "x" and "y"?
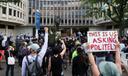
{"x": 106, "y": 68}
{"x": 34, "y": 55}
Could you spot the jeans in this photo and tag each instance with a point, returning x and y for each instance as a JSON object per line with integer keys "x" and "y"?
{"x": 11, "y": 68}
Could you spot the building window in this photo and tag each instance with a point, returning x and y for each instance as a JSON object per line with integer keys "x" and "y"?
{"x": 52, "y": 21}
{"x": 62, "y": 21}
{"x": 18, "y": 4}
{"x": 4, "y": 10}
{"x": 41, "y": 20}
{"x": 65, "y": 21}
{"x": 91, "y": 22}
{"x": 10, "y": 27}
{"x": 29, "y": 20}
{"x": 72, "y": 21}
{"x": 44, "y": 20}
{"x": 48, "y": 20}
{"x": 17, "y": 13}
{"x": 87, "y": 22}
{"x": 83, "y": 21}
{"x": 14, "y": 13}
{"x": 76, "y": 21}
{"x": 79, "y": 21}
{"x": 30, "y": 11}
{"x": 33, "y": 20}
{"x": 21, "y": 15}
{"x": 10, "y": 11}
{"x": 21, "y": 4}
{"x": 2, "y": 26}
{"x": 69, "y": 21}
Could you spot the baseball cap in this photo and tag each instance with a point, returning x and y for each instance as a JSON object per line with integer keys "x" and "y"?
{"x": 34, "y": 47}
{"x": 108, "y": 69}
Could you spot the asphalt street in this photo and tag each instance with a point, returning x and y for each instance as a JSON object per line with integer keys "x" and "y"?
{"x": 17, "y": 71}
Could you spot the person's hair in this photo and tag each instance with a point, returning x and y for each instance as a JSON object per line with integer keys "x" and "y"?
{"x": 57, "y": 49}
{"x": 79, "y": 50}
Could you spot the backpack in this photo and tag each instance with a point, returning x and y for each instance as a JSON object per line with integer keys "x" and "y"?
{"x": 34, "y": 68}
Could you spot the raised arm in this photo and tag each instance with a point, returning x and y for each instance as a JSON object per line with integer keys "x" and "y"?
{"x": 117, "y": 57}
{"x": 64, "y": 48}
{"x": 44, "y": 47}
{"x": 94, "y": 68}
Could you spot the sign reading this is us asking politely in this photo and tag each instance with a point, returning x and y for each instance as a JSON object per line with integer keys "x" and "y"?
{"x": 102, "y": 40}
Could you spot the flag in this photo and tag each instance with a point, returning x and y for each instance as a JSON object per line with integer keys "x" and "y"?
{"x": 37, "y": 19}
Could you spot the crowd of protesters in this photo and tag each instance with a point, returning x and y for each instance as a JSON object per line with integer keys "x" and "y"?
{"x": 67, "y": 51}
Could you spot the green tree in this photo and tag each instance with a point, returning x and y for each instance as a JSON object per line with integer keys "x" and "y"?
{"x": 116, "y": 10}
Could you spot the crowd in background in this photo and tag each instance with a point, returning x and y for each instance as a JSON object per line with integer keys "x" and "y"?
{"x": 75, "y": 54}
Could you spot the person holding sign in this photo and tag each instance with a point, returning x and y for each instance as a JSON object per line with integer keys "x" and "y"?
{"x": 106, "y": 68}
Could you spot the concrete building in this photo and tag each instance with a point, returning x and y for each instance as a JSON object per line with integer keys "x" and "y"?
{"x": 70, "y": 13}
{"x": 13, "y": 15}
{"x": 19, "y": 18}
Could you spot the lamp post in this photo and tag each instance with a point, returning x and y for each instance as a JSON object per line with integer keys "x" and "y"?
{"x": 57, "y": 22}
{"x": 56, "y": 25}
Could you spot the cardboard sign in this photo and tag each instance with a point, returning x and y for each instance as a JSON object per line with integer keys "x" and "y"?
{"x": 102, "y": 40}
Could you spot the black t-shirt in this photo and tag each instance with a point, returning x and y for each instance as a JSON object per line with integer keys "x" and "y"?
{"x": 56, "y": 65}
{"x": 79, "y": 65}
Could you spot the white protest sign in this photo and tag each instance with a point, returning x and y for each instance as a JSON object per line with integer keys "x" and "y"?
{"x": 102, "y": 40}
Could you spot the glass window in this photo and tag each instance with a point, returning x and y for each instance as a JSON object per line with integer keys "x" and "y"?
{"x": 18, "y": 14}
{"x": 33, "y": 20}
{"x": 30, "y": 3}
{"x": 14, "y": 14}
{"x": 69, "y": 21}
{"x": 29, "y": 20}
{"x": 65, "y": 21}
{"x": 44, "y": 20}
{"x": 21, "y": 4}
{"x": 4, "y": 10}
{"x": 91, "y": 22}
{"x": 18, "y": 4}
{"x": 10, "y": 11}
{"x": 87, "y": 22}
{"x": 21, "y": 15}
{"x": 30, "y": 11}
{"x": 79, "y": 21}
{"x": 76, "y": 21}
{"x": 51, "y": 2}
{"x": 73, "y": 21}
{"x": 51, "y": 20}
{"x": 10, "y": 27}
{"x": 48, "y": 20}
{"x": 62, "y": 21}
{"x": 83, "y": 21}
{"x": 41, "y": 20}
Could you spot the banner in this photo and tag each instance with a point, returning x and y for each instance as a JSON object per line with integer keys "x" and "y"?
{"x": 37, "y": 19}
{"x": 102, "y": 40}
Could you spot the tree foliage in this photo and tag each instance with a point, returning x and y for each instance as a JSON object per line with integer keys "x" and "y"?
{"x": 116, "y": 10}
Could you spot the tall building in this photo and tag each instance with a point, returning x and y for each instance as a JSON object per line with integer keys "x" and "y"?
{"x": 12, "y": 15}
{"x": 70, "y": 13}
{"x": 19, "y": 17}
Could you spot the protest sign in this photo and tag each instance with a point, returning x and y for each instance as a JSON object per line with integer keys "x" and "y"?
{"x": 102, "y": 40}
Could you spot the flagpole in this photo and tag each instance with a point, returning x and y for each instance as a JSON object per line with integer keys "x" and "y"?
{"x": 36, "y": 33}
